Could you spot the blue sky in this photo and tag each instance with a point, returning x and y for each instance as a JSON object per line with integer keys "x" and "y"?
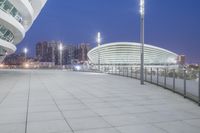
{"x": 170, "y": 24}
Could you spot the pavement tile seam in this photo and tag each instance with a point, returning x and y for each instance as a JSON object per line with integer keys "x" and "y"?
{"x": 185, "y": 121}
{"x": 10, "y": 123}
{"x": 68, "y": 124}
{"x": 156, "y": 104}
{"x": 9, "y": 91}
{"x": 85, "y": 105}
{"x": 175, "y": 127}
{"x": 91, "y": 129}
{"x": 149, "y": 104}
{"x": 27, "y": 111}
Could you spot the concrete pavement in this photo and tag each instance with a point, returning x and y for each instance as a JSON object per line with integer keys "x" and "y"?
{"x": 53, "y": 101}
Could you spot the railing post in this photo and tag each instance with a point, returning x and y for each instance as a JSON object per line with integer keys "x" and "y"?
{"x": 199, "y": 88}
{"x": 131, "y": 72}
{"x": 165, "y": 81}
{"x": 123, "y": 72}
{"x": 119, "y": 70}
{"x": 184, "y": 83}
{"x": 116, "y": 69}
{"x": 108, "y": 69}
{"x": 122, "y": 69}
{"x": 127, "y": 71}
{"x": 145, "y": 74}
{"x": 99, "y": 68}
{"x": 112, "y": 69}
{"x": 136, "y": 73}
{"x": 151, "y": 74}
{"x": 174, "y": 80}
{"x": 157, "y": 76}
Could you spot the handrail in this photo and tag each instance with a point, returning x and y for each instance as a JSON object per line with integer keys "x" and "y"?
{"x": 181, "y": 81}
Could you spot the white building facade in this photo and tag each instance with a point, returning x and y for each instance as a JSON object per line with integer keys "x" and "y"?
{"x": 128, "y": 53}
{"x": 16, "y": 17}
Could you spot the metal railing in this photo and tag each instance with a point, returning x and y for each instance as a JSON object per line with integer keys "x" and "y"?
{"x": 180, "y": 81}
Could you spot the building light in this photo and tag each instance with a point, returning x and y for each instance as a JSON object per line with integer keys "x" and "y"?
{"x": 1, "y": 65}
{"x": 78, "y": 68}
{"x": 26, "y": 65}
{"x": 25, "y": 50}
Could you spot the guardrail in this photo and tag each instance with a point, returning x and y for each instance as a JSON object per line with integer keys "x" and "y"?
{"x": 180, "y": 81}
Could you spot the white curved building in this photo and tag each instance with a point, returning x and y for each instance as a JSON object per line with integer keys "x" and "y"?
{"x": 128, "y": 53}
{"x": 16, "y": 17}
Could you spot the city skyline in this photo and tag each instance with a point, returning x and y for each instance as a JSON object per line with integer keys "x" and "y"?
{"x": 50, "y": 52}
{"x": 168, "y": 24}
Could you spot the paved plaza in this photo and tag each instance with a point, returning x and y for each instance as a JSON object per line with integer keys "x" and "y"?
{"x": 56, "y": 101}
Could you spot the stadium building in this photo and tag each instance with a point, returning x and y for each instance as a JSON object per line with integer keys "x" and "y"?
{"x": 128, "y": 53}
{"x": 16, "y": 17}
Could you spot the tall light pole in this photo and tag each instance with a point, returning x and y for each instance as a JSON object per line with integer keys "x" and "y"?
{"x": 60, "y": 50}
{"x": 99, "y": 39}
{"x": 142, "y": 13}
{"x": 98, "y": 43}
{"x": 25, "y": 53}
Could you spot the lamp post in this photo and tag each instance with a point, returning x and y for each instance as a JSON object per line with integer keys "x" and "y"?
{"x": 142, "y": 11}
{"x": 99, "y": 43}
{"x": 60, "y": 50}
{"x": 25, "y": 53}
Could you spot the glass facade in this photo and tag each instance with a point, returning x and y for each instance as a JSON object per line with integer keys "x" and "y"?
{"x": 6, "y": 34}
{"x": 2, "y": 52}
{"x": 8, "y": 7}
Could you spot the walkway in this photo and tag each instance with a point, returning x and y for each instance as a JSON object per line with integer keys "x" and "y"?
{"x": 47, "y": 101}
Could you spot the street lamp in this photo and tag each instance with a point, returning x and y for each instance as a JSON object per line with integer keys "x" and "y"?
{"x": 142, "y": 12}
{"x": 60, "y": 49}
{"x": 98, "y": 43}
{"x": 25, "y": 53}
{"x": 99, "y": 38}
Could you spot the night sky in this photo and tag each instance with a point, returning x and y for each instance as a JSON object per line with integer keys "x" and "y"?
{"x": 170, "y": 24}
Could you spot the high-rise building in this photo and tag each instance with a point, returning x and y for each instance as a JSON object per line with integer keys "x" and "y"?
{"x": 44, "y": 52}
{"x": 84, "y": 48}
{"x": 76, "y": 53}
{"x": 71, "y": 54}
{"x": 47, "y": 51}
{"x": 181, "y": 59}
{"x": 54, "y": 51}
{"x": 15, "y": 59}
{"x": 16, "y": 18}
